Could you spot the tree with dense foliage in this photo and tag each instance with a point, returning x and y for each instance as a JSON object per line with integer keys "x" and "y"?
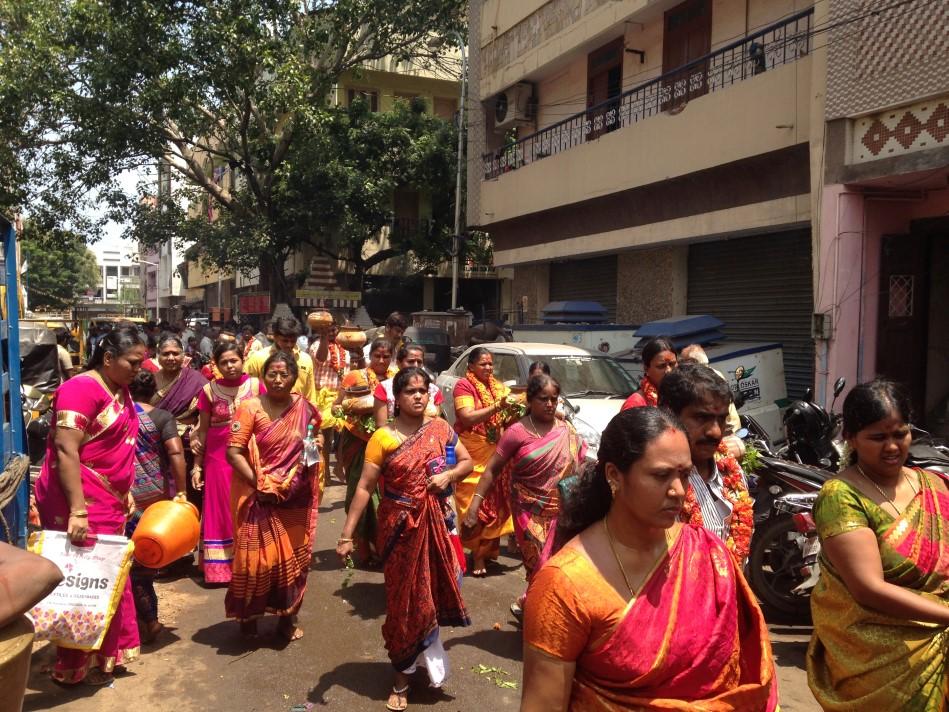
{"x": 58, "y": 269}
{"x": 94, "y": 89}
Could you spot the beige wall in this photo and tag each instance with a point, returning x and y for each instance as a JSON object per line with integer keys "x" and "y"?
{"x": 499, "y": 16}
{"x": 530, "y": 288}
{"x": 766, "y": 113}
{"x": 651, "y": 284}
{"x": 767, "y": 216}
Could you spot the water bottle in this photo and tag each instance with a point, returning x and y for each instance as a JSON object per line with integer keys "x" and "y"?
{"x": 450, "y": 458}
{"x": 311, "y": 449}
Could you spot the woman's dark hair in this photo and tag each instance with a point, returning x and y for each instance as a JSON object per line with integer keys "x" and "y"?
{"x": 116, "y": 342}
{"x": 624, "y": 442}
{"x": 542, "y": 366}
{"x": 379, "y": 343}
{"x": 169, "y": 336}
{"x": 404, "y": 350}
{"x": 282, "y": 357}
{"x": 689, "y": 384}
{"x": 655, "y": 346}
{"x": 222, "y": 347}
{"x": 477, "y": 353}
{"x": 871, "y": 402}
{"x": 286, "y": 327}
{"x": 397, "y": 319}
{"x": 143, "y": 386}
{"x": 539, "y": 383}
{"x": 403, "y": 377}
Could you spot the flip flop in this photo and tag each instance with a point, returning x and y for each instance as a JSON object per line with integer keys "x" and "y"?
{"x": 399, "y": 693}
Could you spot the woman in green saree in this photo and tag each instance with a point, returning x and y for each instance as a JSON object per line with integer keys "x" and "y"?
{"x": 881, "y": 606}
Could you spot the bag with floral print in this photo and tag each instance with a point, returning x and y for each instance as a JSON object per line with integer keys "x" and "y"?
{"x": 78, "y": 612}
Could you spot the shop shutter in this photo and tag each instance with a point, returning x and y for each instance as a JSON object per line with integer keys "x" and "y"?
{"x": 592, "y": 280}
{"x": 761, "y": 287}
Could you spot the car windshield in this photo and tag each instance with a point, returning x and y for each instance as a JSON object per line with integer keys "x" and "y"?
{"x": 590, "y": 376}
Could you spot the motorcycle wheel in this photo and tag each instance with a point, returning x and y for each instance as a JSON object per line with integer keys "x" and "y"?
{"x": 774, "y": 567}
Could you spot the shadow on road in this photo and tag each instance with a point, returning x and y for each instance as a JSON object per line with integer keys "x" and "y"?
{"x": 366, "y": 600}
{"x": 504, "y": 643}
{"x": 44, "y": 694}
{"x": 373, "y": 681}
{"x": 790, "y": 654}
{"x": 226, "y": 638}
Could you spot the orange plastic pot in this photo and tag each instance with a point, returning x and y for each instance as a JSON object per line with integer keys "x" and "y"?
{"x": 166, "y": 532}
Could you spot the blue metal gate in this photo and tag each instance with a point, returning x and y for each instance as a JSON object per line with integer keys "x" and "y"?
{"x": 16, "y": 502}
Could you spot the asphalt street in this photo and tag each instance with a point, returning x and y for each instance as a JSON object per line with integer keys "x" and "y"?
{"x": 202, "y": 663}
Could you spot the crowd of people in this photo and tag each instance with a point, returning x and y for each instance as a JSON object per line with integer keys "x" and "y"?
{"x": 635, "y": 595}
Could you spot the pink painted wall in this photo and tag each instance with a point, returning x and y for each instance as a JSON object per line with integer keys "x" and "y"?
{"x": 851, "y": 230}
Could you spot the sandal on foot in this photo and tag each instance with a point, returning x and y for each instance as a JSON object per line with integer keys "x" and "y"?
{"x": 97, "y": 678}
{"x": 517, "y": 610}
{"x": 289, "y": 631}
{"x": 399, "y": 694}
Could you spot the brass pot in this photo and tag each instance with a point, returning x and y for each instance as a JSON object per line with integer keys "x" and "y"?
{"x": 319, "y": 320}
{"x": 351, "y": 338}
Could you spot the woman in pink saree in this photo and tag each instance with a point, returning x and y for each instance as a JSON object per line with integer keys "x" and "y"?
{"x": 638, "y": 610}
{"x": 217, "y": 404}
{"x": 85, "y": 486}
{"x": 542, "y": 449}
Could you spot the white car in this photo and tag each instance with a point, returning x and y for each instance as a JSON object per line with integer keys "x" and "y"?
{"x": 595, "y": 384}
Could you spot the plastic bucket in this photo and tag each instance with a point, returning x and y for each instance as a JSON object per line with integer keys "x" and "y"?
{"x": 166, "y": 532}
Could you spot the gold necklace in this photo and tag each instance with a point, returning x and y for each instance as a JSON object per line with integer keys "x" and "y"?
{"x": 619, "y": 563}
{"x": 882, "y": 493}
{"x": 534, "y": 427}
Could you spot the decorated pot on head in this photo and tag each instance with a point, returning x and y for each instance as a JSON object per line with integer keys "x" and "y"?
{"x": 319, "y": 320}
{"x": 351, "y": 338}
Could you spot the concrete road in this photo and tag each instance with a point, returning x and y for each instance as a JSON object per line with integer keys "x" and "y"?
{"x": 202, "y": 663}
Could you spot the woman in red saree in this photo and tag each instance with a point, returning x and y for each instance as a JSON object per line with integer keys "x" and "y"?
{"x": 422, "y": 571}
{"x": 542, "y": 450}
{"x": 659, "y": 358}
{"x": 273, "y": 492}
{"x": 638, "y": 610}
{"x": 85, "y": 486}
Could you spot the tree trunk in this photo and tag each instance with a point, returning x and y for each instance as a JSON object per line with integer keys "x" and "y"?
{"x": 273, "y": 269}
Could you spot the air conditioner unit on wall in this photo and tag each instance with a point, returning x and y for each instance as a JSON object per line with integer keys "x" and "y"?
{"x": 514, "y": 106}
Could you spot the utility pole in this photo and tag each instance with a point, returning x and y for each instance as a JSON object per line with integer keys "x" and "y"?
{"x": 456, "y": 238}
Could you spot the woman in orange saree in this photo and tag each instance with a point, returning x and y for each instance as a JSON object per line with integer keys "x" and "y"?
{"x": 881, "y": 606}
{"x": 482, "y": 410}
{"x": 422, "y": 572}
{"x": 273, "y": 493}
{"x": 638, "y": 610}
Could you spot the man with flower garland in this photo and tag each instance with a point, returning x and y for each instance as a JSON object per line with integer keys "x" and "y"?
{"x": 717, "y": 498}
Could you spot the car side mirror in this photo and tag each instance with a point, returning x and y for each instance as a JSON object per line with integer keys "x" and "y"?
{"x": 839, "y": 386}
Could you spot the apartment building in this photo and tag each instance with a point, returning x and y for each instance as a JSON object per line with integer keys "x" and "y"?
{"x": 652, "y": 155}
{"x": 119, "y": 280}
{"x": 882, "y": 294}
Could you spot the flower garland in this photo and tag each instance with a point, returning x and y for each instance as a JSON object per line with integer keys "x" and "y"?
{"x": 337, "y": 359}
{"x": 489, "y": 395}
{"x": 741, "y": 521}
{"x": 649, "y": 391}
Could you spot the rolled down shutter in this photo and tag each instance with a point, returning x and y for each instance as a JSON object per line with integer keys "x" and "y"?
{"x": 592, "y": 280}
{"x": 761, "y": 287}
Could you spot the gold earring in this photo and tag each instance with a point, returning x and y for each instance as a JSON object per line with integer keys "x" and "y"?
{"x": 612, "y": 488}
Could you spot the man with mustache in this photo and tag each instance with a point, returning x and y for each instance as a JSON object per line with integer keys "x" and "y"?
{"x": 718, "y": 491}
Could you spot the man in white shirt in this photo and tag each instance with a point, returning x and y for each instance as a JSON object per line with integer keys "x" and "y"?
{"x": 699, "y": 397}
{"x": 206, "y": 344}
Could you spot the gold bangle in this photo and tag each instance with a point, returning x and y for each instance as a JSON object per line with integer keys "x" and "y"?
{"x": 477, "y": 495}
{"x": 79, "y": 513}
{"x": 343, "y": 540}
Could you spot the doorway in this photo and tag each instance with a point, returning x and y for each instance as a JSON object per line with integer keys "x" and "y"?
{"x": 604, "y": 82}
{"x": 913, "y": 342}
{"x": 687, "y": 36}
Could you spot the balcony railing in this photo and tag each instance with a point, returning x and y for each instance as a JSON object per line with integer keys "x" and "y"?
{"x": 781, "y": 43}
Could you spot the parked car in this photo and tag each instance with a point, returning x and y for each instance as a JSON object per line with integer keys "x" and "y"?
{"x": 436, "y": 343}
{"x": 595, "y": 384}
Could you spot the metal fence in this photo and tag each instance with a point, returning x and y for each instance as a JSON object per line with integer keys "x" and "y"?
{"x": 781, "y": 43}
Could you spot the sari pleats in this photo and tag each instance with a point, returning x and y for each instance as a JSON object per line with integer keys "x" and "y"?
{"x": 420, "y": 567}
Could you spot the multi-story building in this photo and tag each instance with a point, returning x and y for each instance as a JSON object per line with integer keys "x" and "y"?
{"x": 652, "y": 155}
{"x": 119, "y": 281}
{"x": 881, "y": 286}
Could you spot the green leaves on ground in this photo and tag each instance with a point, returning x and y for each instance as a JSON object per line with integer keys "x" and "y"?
{"x": 501, "y": 678}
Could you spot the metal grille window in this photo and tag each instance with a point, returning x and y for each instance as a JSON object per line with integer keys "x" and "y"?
{"x": 901, "y": 296}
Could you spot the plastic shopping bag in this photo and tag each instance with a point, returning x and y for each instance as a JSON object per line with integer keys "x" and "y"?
{"x": 78, "y": 612}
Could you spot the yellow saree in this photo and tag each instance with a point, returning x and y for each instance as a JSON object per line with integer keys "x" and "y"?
{"x": 862, "y": 659}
